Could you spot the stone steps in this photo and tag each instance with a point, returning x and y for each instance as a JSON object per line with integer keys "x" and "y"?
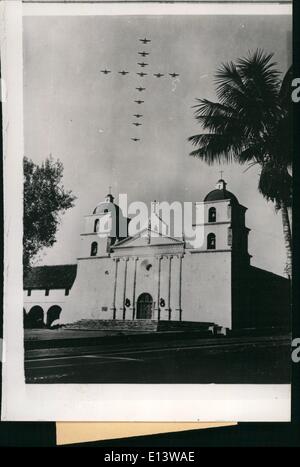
{"x": 184, "y": 326}
{"x": 114, "y": 325}
{"x": 141, "y": 325}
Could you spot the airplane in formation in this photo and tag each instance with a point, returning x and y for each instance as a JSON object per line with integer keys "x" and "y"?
{"x": 140, "y": 89}
{"x": 137, "y": 124}
{"x": 142, "y": 74}
{"x": 173, "y": 75}
{"x": 142, "y": 64}
{"x": 158, "y": 75}
{"x": 135, "y": 139}
{"x": 139, "y": 102}
{"x": 105, "y": 71}
{"x": 137, "y": 115}
{"x": 145, "y": 41}
{"x": 143, "y": 54}
{"x": 123, "y": 72}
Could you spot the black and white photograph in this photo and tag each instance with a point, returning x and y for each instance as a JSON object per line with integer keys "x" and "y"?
{"x": 156, "y": 191}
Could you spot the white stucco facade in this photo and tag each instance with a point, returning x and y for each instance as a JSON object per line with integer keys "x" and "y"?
{"x": 153, "y": 275}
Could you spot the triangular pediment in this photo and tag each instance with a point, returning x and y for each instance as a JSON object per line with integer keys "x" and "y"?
{"x": 147, "y": 237}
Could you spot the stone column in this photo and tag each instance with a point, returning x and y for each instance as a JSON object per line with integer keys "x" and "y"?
{"x": 179, "y": 309}
{"x": 124, "y": 291}
{"x": 159, "y": 258}
{"x": 134, "y": 288}
{"x": 116, "y": 260}
{"x": 169, "y": 287}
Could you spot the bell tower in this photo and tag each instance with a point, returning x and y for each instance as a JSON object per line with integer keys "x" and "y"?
{"x": 224, "y": 252}
{"x": 223, "y": 223}
{"x": 100, "y": 229}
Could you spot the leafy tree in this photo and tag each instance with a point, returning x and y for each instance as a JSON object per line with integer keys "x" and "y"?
{"x": 44, "y": 200}
{"x": 252, "y": 123}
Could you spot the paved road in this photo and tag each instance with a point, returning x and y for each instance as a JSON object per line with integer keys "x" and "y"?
{"x": 228, "y": 361}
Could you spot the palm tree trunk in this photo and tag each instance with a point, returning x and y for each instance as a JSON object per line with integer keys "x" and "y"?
{"x": 290, "y": 212}
{"x": 287, "y": 235}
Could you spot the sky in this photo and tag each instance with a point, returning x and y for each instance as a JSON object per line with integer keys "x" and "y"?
{"x": 83, "y": 117}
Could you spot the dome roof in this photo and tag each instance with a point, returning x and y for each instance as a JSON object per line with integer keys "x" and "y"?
{"x": 107, "y": 205}
{"x": 104, "y": 207}
{"x": 220, "y": 193}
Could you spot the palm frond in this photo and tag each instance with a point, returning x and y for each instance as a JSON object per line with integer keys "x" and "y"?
{"x": 262, "y": 78}
{"x": 213, "y": 108}
{"x": 250, "y": 88}
{"x": 215, "y": 147}
{"x": 217, "y": 118}
{"x": 230, "y": 88}
{"x": 228, "y": 74}
{"x": 253, "y": 152}
{"x": 250, "y": 123}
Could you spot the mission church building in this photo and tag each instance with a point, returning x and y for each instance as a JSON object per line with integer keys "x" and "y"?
{"x": 153, "y": 280}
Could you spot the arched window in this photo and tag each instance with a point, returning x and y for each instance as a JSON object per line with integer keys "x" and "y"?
{"x": 212, "y": 215}
{"x": 94, "y": 248}
{"x": 96, "y": 225}
{"x": 211, "y": 241}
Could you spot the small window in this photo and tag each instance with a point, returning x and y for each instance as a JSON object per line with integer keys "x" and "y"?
{"x": 67, "y": 291}
{"x": 94, "y": 248}
{"x": 212, "y": 215}
{"x": 29, "y": 292}
{"x": 47, "y": 292}
{"x": 211, "y": 241}
{"x": 96, "y": 225}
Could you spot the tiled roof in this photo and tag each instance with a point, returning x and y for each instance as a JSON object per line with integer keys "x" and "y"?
{"x": 51, "y": 277}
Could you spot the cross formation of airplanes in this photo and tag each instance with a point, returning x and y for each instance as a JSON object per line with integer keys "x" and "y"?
{"x": 141, "y": 74}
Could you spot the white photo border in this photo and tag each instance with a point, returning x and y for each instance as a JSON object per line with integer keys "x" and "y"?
{"x": 100, "y": 402}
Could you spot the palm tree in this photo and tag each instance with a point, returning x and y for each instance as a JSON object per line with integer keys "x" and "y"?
{"x": 252, "y": 123}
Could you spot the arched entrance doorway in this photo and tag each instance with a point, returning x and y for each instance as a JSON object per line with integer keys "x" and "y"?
{"x": 35, "y": 317}
{"x": 52, "y": 314}
{"x": 144, "y": 306}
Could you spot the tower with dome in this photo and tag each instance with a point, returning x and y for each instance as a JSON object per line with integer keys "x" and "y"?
{"x": 151, "y": 280}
